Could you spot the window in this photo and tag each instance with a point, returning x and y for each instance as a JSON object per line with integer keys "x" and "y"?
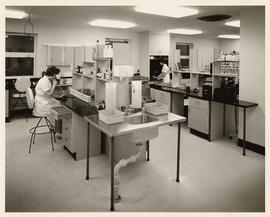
{"x": 20, "y": 54}
{"x": 183, "y": 63}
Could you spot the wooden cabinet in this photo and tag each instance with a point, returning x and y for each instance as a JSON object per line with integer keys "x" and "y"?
{"x": 198, "y": 119}
{"x": 198, "y": 115}
{"x": 78, "y": 56}
{"x": 54, "y": 55}
{"x": 60, "y": 55}
{"x": 66, "y": 134}
{"x": 68, "y": 55}
{"x": 161, "y": 96}
{"x": 159, "y": 43}
{"x": 88, "y": 53}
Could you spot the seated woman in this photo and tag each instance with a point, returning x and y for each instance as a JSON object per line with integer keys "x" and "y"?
{"x": 45, "y": 87}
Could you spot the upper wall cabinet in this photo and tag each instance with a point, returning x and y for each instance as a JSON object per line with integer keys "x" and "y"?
{"x": 78, "y": 56}
{"x": 54, "y": 55}
{"x": 60, "y": 55}
{"x": 88, "y": 53}
{"x": 159, "y": 43}
{"x": 68, "y": 55}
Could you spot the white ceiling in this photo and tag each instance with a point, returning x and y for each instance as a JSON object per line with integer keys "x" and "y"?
{"x": 79, "y": 16}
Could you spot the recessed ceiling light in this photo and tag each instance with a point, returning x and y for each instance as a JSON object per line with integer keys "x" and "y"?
{"x": 229, "y": 36}
{"x": 185, "y": 31}
{"x": 175, "y": 12}
{"x": 15, "y": 14}
{"x": 112, "y": 23}
{"x": 234, "y": 23}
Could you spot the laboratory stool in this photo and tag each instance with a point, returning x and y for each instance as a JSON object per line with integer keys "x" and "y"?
{"x": 48, "y": 127}
{"x": 21, "y": 86}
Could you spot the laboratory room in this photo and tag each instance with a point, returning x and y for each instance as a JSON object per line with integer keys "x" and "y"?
{"x": 135, "y": 109}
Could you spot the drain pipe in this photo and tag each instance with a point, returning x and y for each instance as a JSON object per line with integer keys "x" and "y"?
{"x": 123, "y": 163}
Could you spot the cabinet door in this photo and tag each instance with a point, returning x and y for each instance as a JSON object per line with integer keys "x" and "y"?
{"x": 66, "y": 133}
{"x": 68, "y": 55}
{"x": 55, "y": 53}
{"x": 78, "y": 56}
{"x": 165, "y": 97}
{"x": 198, "y": 119}
{"x": 152, "y": 93}
{"x": 159, "y": 43}
{"x": 88, "y": 53}
{"x": 162, "y": 97}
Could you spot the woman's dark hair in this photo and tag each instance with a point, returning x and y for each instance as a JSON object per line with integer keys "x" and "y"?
{"x": 163, "y": 60}
{"x": 52, "y": 70}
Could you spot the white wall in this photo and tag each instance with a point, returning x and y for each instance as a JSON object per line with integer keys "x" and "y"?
{"x": 252, "y": 72}
{"x": 144, "y": 54}
{"x": 71, "y": 35}
{"x": 228, "y": 45}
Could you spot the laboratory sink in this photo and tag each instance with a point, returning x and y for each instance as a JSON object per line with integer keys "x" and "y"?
{"x": 140, "y": 119}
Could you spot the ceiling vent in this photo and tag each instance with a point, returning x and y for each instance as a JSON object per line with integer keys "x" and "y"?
{"x": 214, "y": 18}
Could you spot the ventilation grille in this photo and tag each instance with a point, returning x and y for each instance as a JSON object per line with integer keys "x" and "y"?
{"x": 214, "y": 18}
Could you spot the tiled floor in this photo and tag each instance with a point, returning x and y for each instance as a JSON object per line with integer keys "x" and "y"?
{"x": 215, "y": 177}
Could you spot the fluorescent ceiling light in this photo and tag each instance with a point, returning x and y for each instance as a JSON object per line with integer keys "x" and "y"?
{"x": 112, "y": 23}
{"x": 15, "y": 14}
{"x": 175, "y": 12}
{"x": 229, "y": 36}
{"x": 185, "y": 31}
{"x": 234, "y": 23}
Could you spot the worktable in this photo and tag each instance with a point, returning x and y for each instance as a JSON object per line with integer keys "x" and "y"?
{"x": 124, "y": 128}
{"x": 238, "y": 103}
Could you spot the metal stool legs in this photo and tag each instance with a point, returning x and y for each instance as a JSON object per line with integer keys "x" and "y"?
{"x": 52, "y": 128}
{"x": 23, "y": 102}
{"x": 51, "y": 131}
{"x": 34, "y": 133}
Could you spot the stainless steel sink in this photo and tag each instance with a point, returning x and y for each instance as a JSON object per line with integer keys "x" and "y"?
{"x": 140, "y": 119}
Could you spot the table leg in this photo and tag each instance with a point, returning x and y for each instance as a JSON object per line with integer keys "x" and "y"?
{"x": 147, "y": 150}
{"x": 171, "y": 104}
{"x": 112, "y": 172}
{"x": 244, "y": 132}
{"x": 178, "y": 151}
{"x": 88, "y": 150}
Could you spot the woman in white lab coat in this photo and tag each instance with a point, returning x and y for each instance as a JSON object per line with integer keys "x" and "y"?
{"x": 165, "y": 73}
{"x": 44, "y": 99}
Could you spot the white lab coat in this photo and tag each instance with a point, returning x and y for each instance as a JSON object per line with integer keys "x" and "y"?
{"x": 43, "y": 100}
{"x": 165, "y": 70}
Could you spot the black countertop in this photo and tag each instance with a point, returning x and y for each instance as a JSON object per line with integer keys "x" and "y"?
{"x": 168, "y": 88}
{"x": 79, "y": 106}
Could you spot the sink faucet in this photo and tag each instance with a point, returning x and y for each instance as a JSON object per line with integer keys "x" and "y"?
{"x": 129, "y": 110}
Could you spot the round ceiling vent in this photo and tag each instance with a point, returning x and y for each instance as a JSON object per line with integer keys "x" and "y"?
{"x": 214, "y": 18}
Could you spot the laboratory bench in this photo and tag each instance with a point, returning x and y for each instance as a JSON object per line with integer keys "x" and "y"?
{"x": 204, "y": 117}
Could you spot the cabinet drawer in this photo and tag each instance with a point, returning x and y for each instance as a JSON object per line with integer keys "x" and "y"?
{"x": 198, "y": 103}
{"x": 60, "y": 112}
{"x": 163, "y": 97}
{"x": 66, "y": 123}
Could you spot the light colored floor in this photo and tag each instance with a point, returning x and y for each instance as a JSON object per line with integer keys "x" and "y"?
{"x": 215, "y": 177}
